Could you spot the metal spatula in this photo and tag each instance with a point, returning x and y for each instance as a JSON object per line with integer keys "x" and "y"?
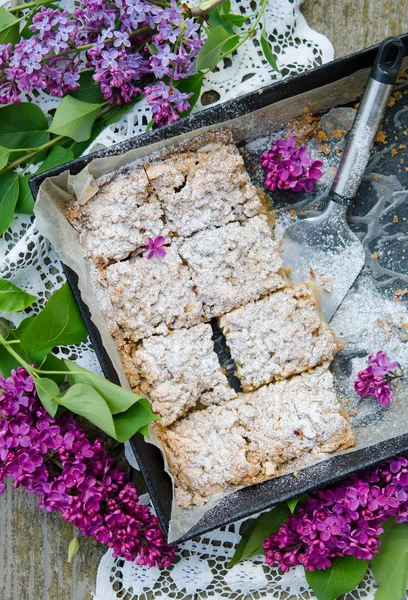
{"x": 325, "y": 243}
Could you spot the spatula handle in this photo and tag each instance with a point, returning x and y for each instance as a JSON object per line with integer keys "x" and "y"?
{"x": 360, "y": 140}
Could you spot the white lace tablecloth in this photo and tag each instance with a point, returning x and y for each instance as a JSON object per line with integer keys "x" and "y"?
{"x": 28, "y": 259}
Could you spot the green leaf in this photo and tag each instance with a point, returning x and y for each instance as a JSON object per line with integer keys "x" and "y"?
{"x": 4, "y": 156}
{"x": 75, "y": 118}
{"x": 58, "y": 156}
{"x": 191, "y": 84}
{"x": 46, "y": 390}
{"x": 130, "y": 411}
{"x": 89, "y": 90}
{"x": 136, "y": 418}
{"x": 212, "y": 48}
{"x": 117, "y": 398}
{"x": 267, "y": 50}
{"x": 8, "y": 198}
{"x": 58, "y": 324}
{"x": 7, "y": 361}
{"x": 256, "y": 532}
{"x": 227, "y": 20}
{"x": 8, "y": 27}
{"x": 73, "y": 549}
{"x": 116, "y": 112}
{"x": 236, "y": 20}
{"x": 390, "y": 565}
{"x": 22, "y": 126}
{"x": 12, "y": 298}
{"x": 82, "y": 399}
{"x": 343, "y": 576}
{"x": 52, "y": 363}
{"x": 293, "y": 502}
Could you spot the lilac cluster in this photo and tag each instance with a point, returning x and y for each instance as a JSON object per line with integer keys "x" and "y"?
{"x": 127, "y": 43}
{"x": 375, "y": 379}
{"x": 342, "y": 520}
{"x": 55, "y": 459}
{"x": 166, "y": 103}
{"x": 288, "y": 168}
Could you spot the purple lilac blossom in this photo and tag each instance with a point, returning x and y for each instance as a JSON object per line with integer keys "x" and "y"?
{"x": 288, "y": 168}
{"x": 54, "y": 459}
{"x": 374, "y": 380}
{"x": 342, "y": 520}
{"x": 155, "y": 247}
{"x": 166, "y": 103}
{"x": 121, "y": 55}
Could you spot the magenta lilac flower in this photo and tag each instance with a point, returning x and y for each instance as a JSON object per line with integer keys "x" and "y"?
{"x": 155, "y": 247}
{"x": 128, "y": 44}
{"x": 342, "y": 520}
{"x": 375, "y": 379}
{"x": 54, "y": 459}
{"x": 288, "y": 168}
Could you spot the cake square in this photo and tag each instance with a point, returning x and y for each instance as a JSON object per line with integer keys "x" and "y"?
{"x": 252, "y": 438}
{"x": 152, "y": 296}
{"x": 233, "y": 264}
{"x": 206, "y": 188}
{"x": 278, "y": 336}
{"x": 177, "y": 371}
{"x": 118, "y": 218}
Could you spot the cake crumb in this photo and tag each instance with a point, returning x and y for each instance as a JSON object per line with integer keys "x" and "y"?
{"x": 337, "y": 133}
{"x": 381, "y": 137}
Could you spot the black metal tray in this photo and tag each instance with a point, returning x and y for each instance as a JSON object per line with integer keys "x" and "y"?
{"x": 250, "y": 500}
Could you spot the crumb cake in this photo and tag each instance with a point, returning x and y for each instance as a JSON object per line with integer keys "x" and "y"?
{"x": 233, "y": 264}
{"x": 249, "y": 439}
{"x": 278, "y": 336}
{"x": 206, "y": 188}
{"x": 119, "y": 218}
{"x": 152, "y": 296}
{"x": 221, "y": 261}
{"x": 177, "y": 371}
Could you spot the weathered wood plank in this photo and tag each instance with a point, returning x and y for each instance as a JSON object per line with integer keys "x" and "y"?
{"x": 355, "y": 24}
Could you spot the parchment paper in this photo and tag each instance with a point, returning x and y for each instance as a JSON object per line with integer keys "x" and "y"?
{"x": 51, "y": 222}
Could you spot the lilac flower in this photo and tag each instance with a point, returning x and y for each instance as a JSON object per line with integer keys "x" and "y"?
{"x": 55, "y": 459}
{"x": 155, "y": 247}
{"x": 342, "y": 519}
{"x": 120, "y": 56}
{"x": 382, "y": 366}
{"x": 289, "y": 169}
{"x": 166, "y": 103}
{"x": 374, "y": 380}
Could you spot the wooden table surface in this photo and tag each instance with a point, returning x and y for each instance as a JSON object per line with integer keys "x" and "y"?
{"x": 33, "y": 546}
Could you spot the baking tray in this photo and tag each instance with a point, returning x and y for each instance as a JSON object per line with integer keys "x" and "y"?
{"x": 350, "y": 71}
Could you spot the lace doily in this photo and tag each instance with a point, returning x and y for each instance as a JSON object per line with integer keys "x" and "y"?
{"x": 29, "y": 261}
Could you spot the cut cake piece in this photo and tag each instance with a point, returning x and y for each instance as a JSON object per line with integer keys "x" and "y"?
{"x": 233, "y": 264}
{"x": 177, "y": 371}
{"x": 278, "y": 336}
{"x": 252, "y": 438}
{"x": 118, "y": 218}
{"x": 152, "y": 296}
{"x": 206, "y": 188}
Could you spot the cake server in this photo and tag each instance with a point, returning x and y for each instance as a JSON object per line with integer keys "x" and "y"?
{"x": 324, "y": 245}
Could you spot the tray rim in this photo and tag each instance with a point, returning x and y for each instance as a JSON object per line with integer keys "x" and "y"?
{"x": 338, "y": 466}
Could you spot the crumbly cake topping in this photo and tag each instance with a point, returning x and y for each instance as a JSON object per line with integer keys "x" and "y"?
{"x": 178, "y": 370}
{"x": 152, "y": 296}
{"x": 233, "y": 264}
{"x": 120, "y": 217}
{"x": 208, "y": 188}
{"x": 278, "y": 336}
{"x": 246, "y": 440}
